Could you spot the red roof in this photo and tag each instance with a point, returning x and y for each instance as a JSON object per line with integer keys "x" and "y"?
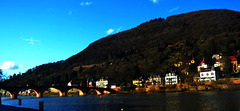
{"x": 233, "y": 58}
{"x": 202, "y": 61}
{"x": 191, "y": 60}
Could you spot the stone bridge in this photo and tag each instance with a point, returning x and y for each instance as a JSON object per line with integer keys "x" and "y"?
{"x": 39, "y": 90}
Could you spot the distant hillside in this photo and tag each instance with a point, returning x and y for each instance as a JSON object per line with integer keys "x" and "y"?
{"x": 150, "y": 48}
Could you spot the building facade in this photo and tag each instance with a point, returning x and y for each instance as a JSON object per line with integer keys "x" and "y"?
{"x": 202, "y": 66}
{"x": 154, "y": 80}
{"x": 138, "y": 82}
{"x": 208, "y": 75}
{"x": 102, "y": 83}
{"x": 171, "y": 78}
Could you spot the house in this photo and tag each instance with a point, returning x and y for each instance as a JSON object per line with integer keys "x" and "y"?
{"x": 26, "y": 91}
{"x": 106, "y": 82}
{"x": 69, "y": 83}
{"x": 209, "y": 75}
{"x": 171, "y": 78}
{"x": 102, "y": 83}
{"x": 220, "y": 63}
{"x": 202, "y": 66}
{"x": 178, "y": 64}
{"x": 217, "y": 56}
{"x": 196, "y": 79}
{"x": 154, "y": 80}
{"x": 91, "y": 83}
{"x": 191, "y": 61}
{"x": 238, "y": 66}
{"x": 112, "y": 84}
{"x": 185, "y": 71}
{"x": 234, "y": 62}
{"x": 138, "y": 82}
{"x": 188, "y": 62}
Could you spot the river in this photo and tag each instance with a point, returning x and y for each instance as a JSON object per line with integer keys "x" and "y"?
{"x": 202, "y": 101}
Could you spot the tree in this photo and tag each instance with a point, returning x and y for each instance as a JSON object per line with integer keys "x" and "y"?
{"x": 228, "y": 66}
{"x": 1, "y": 75}
{"x": 0, "y": 71}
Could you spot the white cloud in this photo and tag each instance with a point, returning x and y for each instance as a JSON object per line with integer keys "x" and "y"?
{"x": 174, "y": 9}
{"x": 154, "y": 1}
{"x": 9, "y": 65}
{"x": 31, "y": 41}
{"x": 85, "y": 3}
{"x": 110, "y": 31}
{"x": 119, "y": 29}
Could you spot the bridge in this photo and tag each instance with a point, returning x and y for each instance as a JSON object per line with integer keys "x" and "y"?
{"x": 39, "y": 90}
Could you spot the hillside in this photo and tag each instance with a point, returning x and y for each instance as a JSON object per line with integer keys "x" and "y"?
{"x": 150, "y": 48}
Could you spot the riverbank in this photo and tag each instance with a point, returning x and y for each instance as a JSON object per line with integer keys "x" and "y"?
{"x": 222, "y": 85}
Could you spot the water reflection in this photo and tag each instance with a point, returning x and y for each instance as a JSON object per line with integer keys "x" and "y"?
{"x": 172, "y": 101}
{"x": 203, "y": 101}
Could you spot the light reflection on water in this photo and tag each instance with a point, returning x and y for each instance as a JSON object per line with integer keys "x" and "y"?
{"x": 202, "y": 101}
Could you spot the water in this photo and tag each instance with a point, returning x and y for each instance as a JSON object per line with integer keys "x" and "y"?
{"x": 203, "y": 101}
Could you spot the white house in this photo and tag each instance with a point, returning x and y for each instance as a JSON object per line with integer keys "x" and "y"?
{"x": 171, "y": 78}
{"x": 26, "y": 91}
{"x": 208, "y": 75}
{"x": 218, "y": 64}
{"x": 102, "y": 83}
{"x": 154, "y": 79}
{"x": 69, "y": 83}
{"x": 202, "y": 65}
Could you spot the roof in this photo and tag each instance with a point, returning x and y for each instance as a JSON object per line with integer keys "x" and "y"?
{"x": 203, "y": 61}
{"x": 233, "y": 58}
{"x": 206, "y": 70}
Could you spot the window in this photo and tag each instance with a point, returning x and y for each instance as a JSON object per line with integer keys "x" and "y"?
{"x": 212, "y": 73}
{"x": 207, "y": 74}
{"x": 201, "y": 74}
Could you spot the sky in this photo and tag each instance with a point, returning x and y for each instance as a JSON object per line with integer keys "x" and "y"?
{"x": 36, "y": 32}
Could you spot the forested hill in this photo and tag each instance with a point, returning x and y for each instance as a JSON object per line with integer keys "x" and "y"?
{"x": 150, "y": 48}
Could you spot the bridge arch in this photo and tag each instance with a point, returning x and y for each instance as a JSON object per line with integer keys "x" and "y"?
{"x": 80, "y": 92}
{"x": 29, "y": 89}
{"x": 61, "y": 93}
{"x": 95, "y": 90}
{"x": 12, "y": 95}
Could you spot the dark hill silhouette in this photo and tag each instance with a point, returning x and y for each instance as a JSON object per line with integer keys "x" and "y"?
{"x": 150, "y": 48}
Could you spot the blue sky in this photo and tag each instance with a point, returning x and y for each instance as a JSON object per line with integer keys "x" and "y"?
{"x": 35, "y": 32}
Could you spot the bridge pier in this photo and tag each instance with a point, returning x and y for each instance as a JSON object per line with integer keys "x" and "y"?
{"x": 39, "y": 94}
{"x": 98, "y": 92}
{"x": 81, "y": 93}
{"x": 14, "y": 96}
{"x": 106, "y": 92}
{"x": 63, "y": 94}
